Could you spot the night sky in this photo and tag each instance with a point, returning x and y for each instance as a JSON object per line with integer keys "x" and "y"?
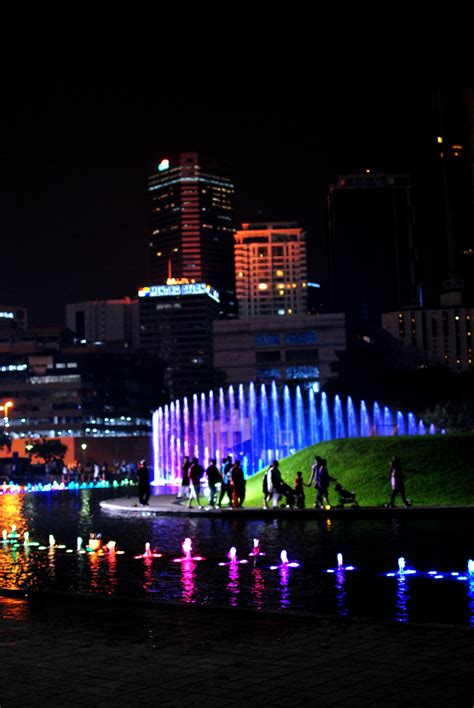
{"x": 75, "y": 156}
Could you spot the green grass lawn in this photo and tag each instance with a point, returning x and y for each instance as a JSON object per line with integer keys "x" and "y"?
{"x": 438, "y": 469}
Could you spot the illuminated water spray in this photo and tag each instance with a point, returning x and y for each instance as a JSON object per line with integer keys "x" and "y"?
{"x": 284, "y": 562}
{"x": 257, "y": 424}
{"x": 149, "y": 553}
{"x": 187, "y": 548}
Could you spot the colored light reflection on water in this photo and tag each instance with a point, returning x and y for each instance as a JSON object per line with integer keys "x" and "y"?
{"x": 401, "y": 599}
{"x": 284, "y": 589}
{"x": 233, "y": 584}
{"x": 341, "y": 595}
{"x": 67, "y": 517}
{"x": 188, "y": 583}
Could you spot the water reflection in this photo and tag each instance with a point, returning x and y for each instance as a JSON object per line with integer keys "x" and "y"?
{"x": 401, "y": 612}
{"x": 15, "y": 566}
{"x": 470, "y": 601}
{"x": 341, "y": 595}
{"x": 13, "y": 609}
{"x": 258, "y": 589}
{"x": 103, "y": 572}
{"x": 148, "y": 574}
{"x": 284, "y": 591}
{"x": 233, "y": 584}
{"x": 188, "y": 584}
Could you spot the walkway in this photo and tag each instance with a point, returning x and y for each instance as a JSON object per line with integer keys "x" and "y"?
{"x": 169, "y": 504}
{"x": 66, "y": 651}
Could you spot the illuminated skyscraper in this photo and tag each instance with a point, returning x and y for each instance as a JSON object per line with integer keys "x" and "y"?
{"x": 270, "y": 269}
{"x": 192, "y": 222}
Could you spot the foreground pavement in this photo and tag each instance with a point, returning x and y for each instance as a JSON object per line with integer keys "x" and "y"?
{"x": 71, "y": 651}
{"x": 168, "y": 504}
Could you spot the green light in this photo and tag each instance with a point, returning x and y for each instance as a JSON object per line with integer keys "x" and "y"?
{"x": 164, "y": 165}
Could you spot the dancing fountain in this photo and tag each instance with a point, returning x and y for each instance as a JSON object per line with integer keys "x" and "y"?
{"x": 147, "y": 554}
{"x": 187, "y": 556}
{"x": 232, "y": 556}
{"x": 285, "y": 563}
{"x": 262, "y": 423}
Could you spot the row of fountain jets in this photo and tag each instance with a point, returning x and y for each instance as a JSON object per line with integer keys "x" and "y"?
{"x": 95, "y": 546}
{"x": 258, "y": 424}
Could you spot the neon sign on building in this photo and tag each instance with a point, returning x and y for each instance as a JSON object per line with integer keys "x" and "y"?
{"x": 179, "y": 289}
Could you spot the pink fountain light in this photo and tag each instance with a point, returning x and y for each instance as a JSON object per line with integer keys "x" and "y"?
{"x": 256, "y": 549}
{"x": 149, "y": 553}
{"x": 187, "y": 556}
{"x": 285, "y": 563}
{"x": 232, "y": 556}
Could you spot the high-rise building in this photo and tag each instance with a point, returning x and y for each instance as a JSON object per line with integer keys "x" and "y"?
{"x": 192, "y": 223}
{"x": 299, "y": 350}
{"x": 176, "y": 322}
{"x": 270, "y": 269}
{"x": 449, "y": 229}
{"x": 444, "y": 335}
{"x": 372, "y": 253}
{"x": 105, "y": 321}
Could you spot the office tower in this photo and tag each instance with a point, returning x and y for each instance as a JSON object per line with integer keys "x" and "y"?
{"x": 176, "y": 322}
{"x": 372, "y": 268}
{"x": 192, "y": 222}
{"x": 299, "y": 350}
{"x": 270, "y": 269}
{"x": 442, "y": 335}
{"x": 105, "y": 321}
{"x": 449, "y": 240}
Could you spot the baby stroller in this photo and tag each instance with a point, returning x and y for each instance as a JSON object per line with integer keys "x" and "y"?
{"x": 345, "y": 496}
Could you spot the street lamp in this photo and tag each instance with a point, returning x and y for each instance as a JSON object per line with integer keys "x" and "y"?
{"x": 4, "y": 408}
{"x": 83, "y": 448}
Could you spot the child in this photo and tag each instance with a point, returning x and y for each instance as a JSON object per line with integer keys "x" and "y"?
{"x": 299, "y": 490}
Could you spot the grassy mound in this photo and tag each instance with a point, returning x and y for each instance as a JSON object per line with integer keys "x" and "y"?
{"x": 437, "y": 469}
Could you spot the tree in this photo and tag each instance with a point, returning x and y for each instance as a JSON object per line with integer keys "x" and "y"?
{"x": 48, "y": 450}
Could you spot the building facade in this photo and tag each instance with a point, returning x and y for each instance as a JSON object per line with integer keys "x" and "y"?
{"x": 176, "y": 322}
{"x": 192, "y": 224}
{"x": 13, "y": 317}
{"x": 373, "y": 266}
{"x": 105, "y": 321}
{"x": 289, "y": 350}
{"x": 271, "y": 270}
{"x": 444, "y": 335}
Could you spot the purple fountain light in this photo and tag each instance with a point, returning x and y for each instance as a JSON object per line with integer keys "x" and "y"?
{"x": 259, "y": 424}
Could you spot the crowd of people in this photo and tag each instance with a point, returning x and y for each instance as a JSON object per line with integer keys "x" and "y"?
{"x": 229, "y": 481}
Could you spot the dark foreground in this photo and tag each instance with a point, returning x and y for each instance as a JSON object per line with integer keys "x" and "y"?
{"x": 61, "y": 651}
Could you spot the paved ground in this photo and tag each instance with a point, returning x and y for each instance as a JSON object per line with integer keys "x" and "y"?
{"x": 169, "y": 504}
{"x": 61, "y": 651}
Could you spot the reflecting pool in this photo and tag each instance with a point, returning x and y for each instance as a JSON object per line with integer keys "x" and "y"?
{"x": 371, "y": 549}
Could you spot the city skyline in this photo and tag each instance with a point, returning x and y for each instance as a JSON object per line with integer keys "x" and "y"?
{"x": 74, "y": 199}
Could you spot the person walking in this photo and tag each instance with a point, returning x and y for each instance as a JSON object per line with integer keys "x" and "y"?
{"x": 214, "y": 478}
{"x": 226, "y": 487}
{"x": 267, "y": 487}
{"x": 195, "y": 474}
{"x": 397, "y": 482}
{"x": 144, "y": 489}
{"x": 184, "y": 489}
{"x": 299, "y": 490}
{"x": 276, "y": 483}
{"x": 238, "y": 485}
{"x": 322, "y": 485}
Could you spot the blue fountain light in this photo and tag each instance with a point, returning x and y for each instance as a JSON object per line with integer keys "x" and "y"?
{"x": 260, "y": 423}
